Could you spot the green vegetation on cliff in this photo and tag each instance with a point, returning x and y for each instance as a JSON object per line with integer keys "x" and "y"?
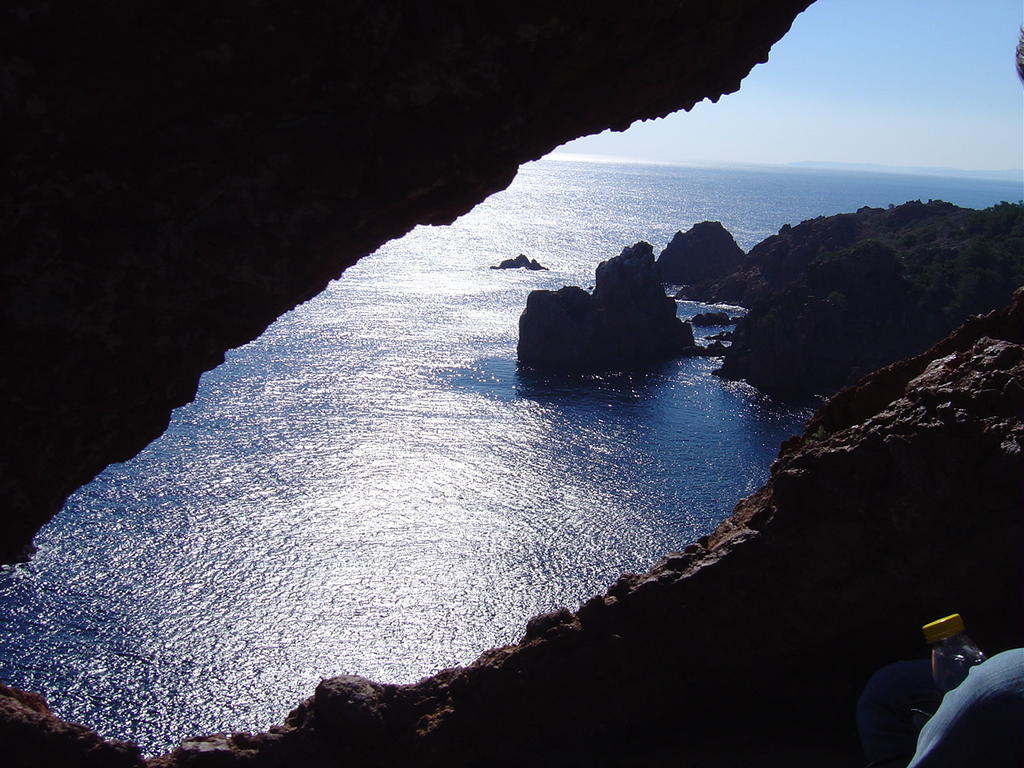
{"x": 837, "y": 297}
{"x": 971, "y": 268}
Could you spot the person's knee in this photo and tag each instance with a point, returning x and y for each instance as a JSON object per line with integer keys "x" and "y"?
{"x": 981, "y": 722}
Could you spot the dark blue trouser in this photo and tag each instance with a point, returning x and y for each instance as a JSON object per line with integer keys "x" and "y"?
{"x": 981, "y": 721}
{"x": 978, "y": 723}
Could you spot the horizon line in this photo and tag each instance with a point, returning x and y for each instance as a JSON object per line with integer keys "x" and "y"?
{"x": 984, "y": 174}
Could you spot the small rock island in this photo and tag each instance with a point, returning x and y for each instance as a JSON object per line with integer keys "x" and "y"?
{"x": 520, "y": 262}
{"x": 627, "y": 321}
{"x": 712, "y": 318}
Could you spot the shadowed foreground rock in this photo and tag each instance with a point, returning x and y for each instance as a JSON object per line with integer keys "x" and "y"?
{"x": 179, "y": 174}
{"x": 31, "y": 736}
{"x": 901, "y": 503}
{"x": 627, "y": 321}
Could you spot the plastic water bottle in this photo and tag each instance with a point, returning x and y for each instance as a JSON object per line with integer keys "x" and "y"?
{"x": 953, "y": 652}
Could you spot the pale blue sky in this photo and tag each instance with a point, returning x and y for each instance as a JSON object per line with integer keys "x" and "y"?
{"x": 893, "y": 82}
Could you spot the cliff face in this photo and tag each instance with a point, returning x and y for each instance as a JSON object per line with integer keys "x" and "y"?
{"x": 177, "y": 175}
{"x": 31, "y": 736}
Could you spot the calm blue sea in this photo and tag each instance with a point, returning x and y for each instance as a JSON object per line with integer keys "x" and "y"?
{"x": 372, "y": 487}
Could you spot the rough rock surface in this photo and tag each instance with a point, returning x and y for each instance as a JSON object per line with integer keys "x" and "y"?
{"x": 179, "y": 174}
{"x": 900, "y": 503}
{"x": 627, "y": 321}
{"x": 520, "y": 262}
{"x": 855, "y": 404}
{"x": 31, "y": 736}
{"x": 837, "y": 297}
{"x": 704, "y": 252}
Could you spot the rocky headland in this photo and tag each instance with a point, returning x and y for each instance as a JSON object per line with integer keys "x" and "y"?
{"x": 836, "y": 297}
{"x": 522, "y": 261}
{"x": 704, "y": 252}
{"x": 627, "y": 321}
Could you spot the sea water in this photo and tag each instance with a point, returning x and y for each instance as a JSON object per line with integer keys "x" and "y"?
{"x": 373, "y": 486}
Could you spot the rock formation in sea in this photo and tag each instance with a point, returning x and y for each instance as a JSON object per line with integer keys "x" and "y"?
{"x": 626, "y": 322}
{"x": 714, "y": 349}
{"x": 712, "y": 318}
{"x": 837, "y": 297}
{"x": 520, "y": 262}
{"x": 178, "y": 175}
{"x": 704, "y": 252}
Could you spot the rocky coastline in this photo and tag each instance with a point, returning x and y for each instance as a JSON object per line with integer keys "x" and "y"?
{"x": 836, "y": 297}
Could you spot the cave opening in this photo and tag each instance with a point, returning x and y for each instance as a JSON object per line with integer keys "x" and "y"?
{"x": 441, "y": 380}
{"x": 372, "y": 487}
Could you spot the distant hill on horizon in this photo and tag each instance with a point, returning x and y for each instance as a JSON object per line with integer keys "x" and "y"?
{"x": 1009, "y": 174}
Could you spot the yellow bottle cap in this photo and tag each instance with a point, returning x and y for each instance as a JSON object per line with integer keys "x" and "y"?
{"x": 943, "y": 628}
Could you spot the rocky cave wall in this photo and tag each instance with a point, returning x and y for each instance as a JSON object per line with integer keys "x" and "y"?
{"x": 179, "y": 174}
